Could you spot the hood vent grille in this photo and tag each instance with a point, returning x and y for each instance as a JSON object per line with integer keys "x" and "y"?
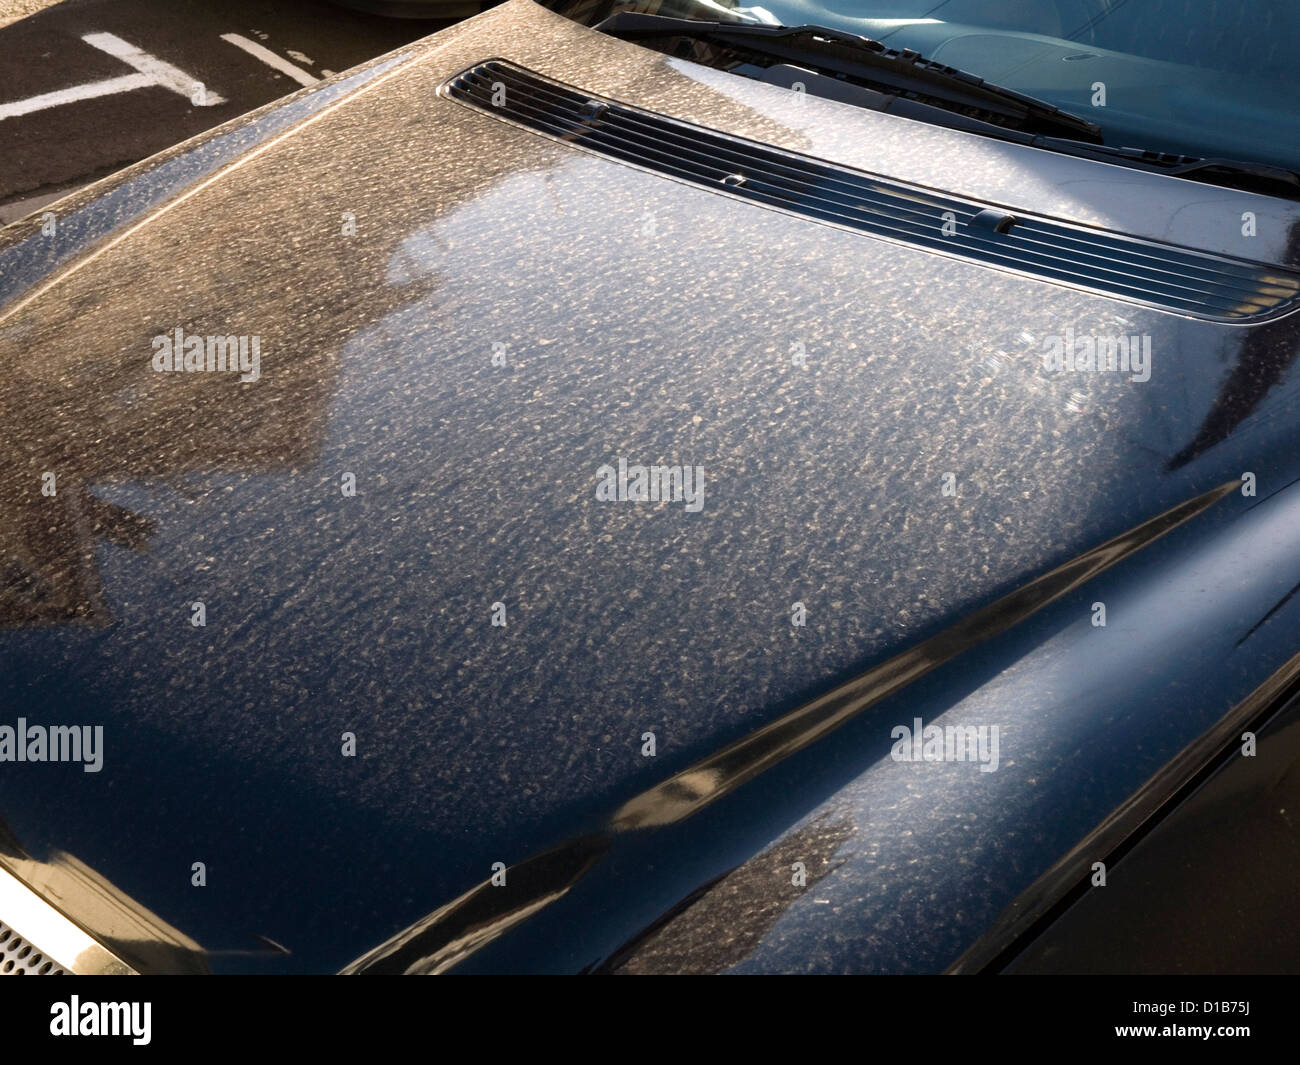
{"x": 1166, "y": 276}
{"x": 20, "y": 958}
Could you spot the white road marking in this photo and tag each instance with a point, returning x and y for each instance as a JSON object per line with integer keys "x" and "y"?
{"x": 125, "y": 83}
{"x": 270, "y": 59}
{"x": 150, "y": 71}
{"x": 164, "y": 74}
{"x": 76, "y": 266}
{"x": 298, "y": 57}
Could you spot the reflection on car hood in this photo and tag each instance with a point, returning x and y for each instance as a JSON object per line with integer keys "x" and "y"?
{"x": 466, "y": 321}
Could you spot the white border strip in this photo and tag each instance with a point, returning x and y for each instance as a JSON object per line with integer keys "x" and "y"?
{"x": 272, "y": 60}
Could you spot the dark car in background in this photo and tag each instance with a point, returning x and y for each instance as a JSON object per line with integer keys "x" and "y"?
{"x": 803, "y": 487}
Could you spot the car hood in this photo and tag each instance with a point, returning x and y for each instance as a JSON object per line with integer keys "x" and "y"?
{"x": 431, "y": 655}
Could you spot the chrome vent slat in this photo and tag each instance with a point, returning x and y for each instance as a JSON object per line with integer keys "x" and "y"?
{"x": 1128, "y": 268}
{"x": 1195, "y": 277}
{"x": 1056, "y": 268}
{"x": 1039, "y": 268}
{"x": 1014, "y": 256}
{"x": 660, "y": 131}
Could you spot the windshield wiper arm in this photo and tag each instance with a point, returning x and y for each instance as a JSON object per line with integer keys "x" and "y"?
{"x": 1244, "y": 174}
{"x": 905, "y": 72}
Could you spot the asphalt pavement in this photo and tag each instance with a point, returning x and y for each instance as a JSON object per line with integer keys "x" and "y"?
{"x": 90, "y": 86}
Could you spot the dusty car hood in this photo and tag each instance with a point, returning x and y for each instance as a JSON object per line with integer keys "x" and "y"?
{"x": 635, "y": 318}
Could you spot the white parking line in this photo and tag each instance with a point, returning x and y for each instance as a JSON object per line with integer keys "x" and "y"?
{"x": 149, "y": 217}
{"x": 164, "y": 74}
{"x": 125, "y": 83}
{"x": 150, "y": 71}
{"x": 270, "y": 59}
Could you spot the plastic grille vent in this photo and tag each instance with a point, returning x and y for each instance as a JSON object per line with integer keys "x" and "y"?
{"x": 1167, "y": 276}
{"x": 20, "y": 958}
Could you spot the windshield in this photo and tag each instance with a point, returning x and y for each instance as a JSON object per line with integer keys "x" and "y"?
{"x": 1206, "y": 78}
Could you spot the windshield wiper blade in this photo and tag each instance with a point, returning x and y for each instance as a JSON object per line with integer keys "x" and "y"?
{"x": 903, "y": 72}
{"x": 1243, "y": 174}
